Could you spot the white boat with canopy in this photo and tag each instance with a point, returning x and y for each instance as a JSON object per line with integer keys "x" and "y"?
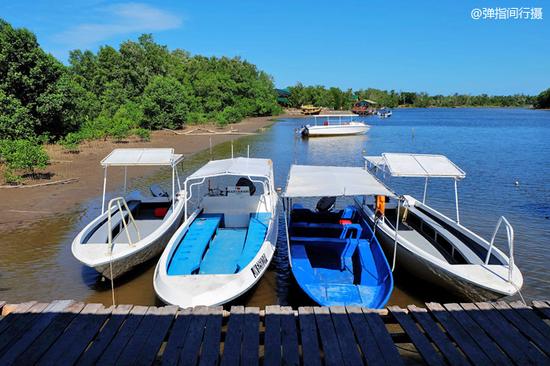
{"x": 334, "y": 125}
{"x": 433, "y": 246}
{"x": 334, "y": 254}
{"x": 131, "y": 229}
{"x": 228, "y": 237}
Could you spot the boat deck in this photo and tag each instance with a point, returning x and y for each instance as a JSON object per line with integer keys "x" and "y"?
{"x": 67, "y": 332}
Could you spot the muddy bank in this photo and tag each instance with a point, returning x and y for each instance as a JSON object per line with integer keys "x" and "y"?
{"x": 20, "y": 207}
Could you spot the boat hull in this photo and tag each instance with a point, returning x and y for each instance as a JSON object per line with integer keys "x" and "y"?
{"x": 335, "y": 130}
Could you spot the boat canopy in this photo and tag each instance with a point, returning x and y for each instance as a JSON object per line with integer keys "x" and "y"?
{"x": 319, "y": 181}
{"x": 235, "y": 166}
{"x": 417, "y": 165}
{"x": 335, "y": 115}
{"x": 142, "y": 157}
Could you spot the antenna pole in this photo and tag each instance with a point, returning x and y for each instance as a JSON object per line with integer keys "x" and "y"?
{"x": 231, "y": 149}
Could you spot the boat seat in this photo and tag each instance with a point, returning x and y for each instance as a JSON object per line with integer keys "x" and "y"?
{"x": 464, "y": 250}
{"x": 319, "y": 240}
{"x": 224, "y": 252}
{"x": 255, "y": 237}
{"x": 101, "y": 234}
{"x": 188, "y": 255}
{"x": 146, "y": 227}
{"x": 336, "y": 293}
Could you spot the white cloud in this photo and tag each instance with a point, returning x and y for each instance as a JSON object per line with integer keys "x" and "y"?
{"x": 120, "y": 19}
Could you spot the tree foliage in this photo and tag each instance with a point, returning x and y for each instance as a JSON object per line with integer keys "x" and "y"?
{"x": 543, "y": 99}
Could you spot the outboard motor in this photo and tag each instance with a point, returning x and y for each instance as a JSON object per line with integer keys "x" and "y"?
{"x": 157, "y": 191}
{"x": 245, "y": 182}
{"x": 325, "y": 204}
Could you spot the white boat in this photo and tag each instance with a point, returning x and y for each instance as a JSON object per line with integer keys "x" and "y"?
{"x": 334, "y": 125}
{"x": 434, "y": 247}
{"x": 131, "y": 229}
{"x": 384, "y": 113}
{"x": 228, "y": 238}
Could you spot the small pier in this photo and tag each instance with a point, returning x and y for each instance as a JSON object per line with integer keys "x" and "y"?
{"x": 66, "y": 332}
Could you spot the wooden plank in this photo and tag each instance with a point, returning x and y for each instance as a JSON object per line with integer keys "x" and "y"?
{"x": 528, "y": 314}
{"x": 233, "y": 336}
{"x": 20, "y": 325}
{"x": 499, "y": 329}
{"x": 118, "y": 343}
{"x": 461, "y": 337}
{"x": 251, "y": 336}
{"x": 191, "y": 348}
{"x": 308, "y": 333}
{"x": 77, "y": 336}
{"x": 2, "y": 303}
{"x": 344, "y": 333}
{"x": 383, "y": 338}
{"x": 52, "y": 311}
{"x": 420, "y": 341}
{"x": 106, "y": 335}
{"x": 148, "y": 348}
{"x": 365, "y": 337}
{"x": 329, "y": 341}
{"x": 272, "y": 338}
{"x": 437, "y": 336}
{"x": 177, "y": 338}
{"x": 41, "y": 344}
{"x": 210, "y": 352}
{"x": 289, "y": 337}
{"x": 477, "y": 333}
{"x": 523, "y": 327}
{"x": 543, "y": 307}
{"x": 12, "y": 312}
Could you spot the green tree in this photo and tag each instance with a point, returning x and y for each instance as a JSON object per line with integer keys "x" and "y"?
{"x": 543, "y": 99}
{"x": 165, "y": 103}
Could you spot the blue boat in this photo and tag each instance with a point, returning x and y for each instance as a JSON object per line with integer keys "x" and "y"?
{"x": 334, "y": 254}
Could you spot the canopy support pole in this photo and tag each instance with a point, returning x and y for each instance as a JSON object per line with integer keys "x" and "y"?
{"x": 125, "y": 178}
{"x": 173, "y": 186}
{"x": 456, "y": 202}
{"x": 104, "y": 189}
{"x": 395, "y": 238}
{"x": 425, "y": 190}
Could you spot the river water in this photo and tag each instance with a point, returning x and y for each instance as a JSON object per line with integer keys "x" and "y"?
{"x": 504, "y": 152}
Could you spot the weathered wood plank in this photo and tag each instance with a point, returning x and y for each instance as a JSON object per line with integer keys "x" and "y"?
{"x": 177, "y": 338}
{"x": 477, "y": 333}
{"x": 530, "y": 316}
{"x": 148, "y": 348}
{"x": 420, "y": 341}
{"x": 191, "y": 348}
{"x": 437, "y": 336}
{"x": 365, "y": 337}
{"x": 210, "y": 353}
{"x": 543, "y": 307}
{"x": 308, "y": 333}
{"x": 52, "y": 311}
{"x": 41, "y": 344}
{"x": 383, "y": 339}
{"x": 104, "y": 338}
{"x": 20, "y": 325}
{"x": 329, "y": 341}
{"x": 461, "y": 337}
{"x": 497, "y": 327}
{"x": 2, "y": 303}
{"x": 344, "y": 333}
{"x": 233, "y": 337}
{"x": 12, "y": 311}
{"x": 118, "y": 343}
{"x": 289, "y": 337}
{"x": 272, "y": 337}
{"x": 251, "y": 336}
{"x": 69, "y": 346}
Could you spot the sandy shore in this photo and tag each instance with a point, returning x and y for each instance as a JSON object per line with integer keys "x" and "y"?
{"x": 20, "y": 207}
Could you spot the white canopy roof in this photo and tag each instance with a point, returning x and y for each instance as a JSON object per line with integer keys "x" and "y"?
{"x": 236, "y": 166}
{"x": 319, "y": 181}
{"x": 142, "y": 157}
{"x": 334, "y": 115}
{"x": 417, "y": 165}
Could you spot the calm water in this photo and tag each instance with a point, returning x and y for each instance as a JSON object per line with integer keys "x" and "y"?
{"x": 496, "y": 148}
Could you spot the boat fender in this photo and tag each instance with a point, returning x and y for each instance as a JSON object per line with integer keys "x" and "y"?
{"x": 380, "y": 204}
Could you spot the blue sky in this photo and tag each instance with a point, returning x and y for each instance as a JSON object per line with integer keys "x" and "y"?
{"x": 432, "y": 46}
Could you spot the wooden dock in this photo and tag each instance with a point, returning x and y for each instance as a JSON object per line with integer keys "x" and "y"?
{"x": 66, "y": 332}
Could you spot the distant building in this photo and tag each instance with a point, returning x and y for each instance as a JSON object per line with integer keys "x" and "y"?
{"x": 364, "y": 107}
{"x": 282, "y": 97}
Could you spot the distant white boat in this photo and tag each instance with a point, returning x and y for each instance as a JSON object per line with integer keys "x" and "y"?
{"x": 384, "y": 113}
{"x": 132, "y": 229}
{"x": 228, "y": 238}
{"x": 334, "y": 125}
{"x": 433, "y": 246}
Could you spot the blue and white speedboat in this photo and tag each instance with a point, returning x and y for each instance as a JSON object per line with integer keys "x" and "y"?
{"x": 228, "y": 237}
{"x": 334, "y": 255}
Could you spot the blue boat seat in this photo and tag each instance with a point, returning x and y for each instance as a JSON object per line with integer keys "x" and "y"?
{"x": 188, "y": 255}
{"x": 224, "y": 252}
{"x": 255, "y": 237}
{"x": 352, "y": 241}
